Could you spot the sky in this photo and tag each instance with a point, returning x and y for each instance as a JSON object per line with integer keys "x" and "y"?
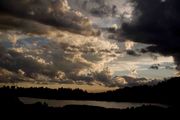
{"x": 95, "y": 45}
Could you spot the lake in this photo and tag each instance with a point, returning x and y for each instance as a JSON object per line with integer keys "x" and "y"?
{"x": 104, "y": 104}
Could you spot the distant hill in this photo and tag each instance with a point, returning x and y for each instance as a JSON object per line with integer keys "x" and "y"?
{"x": 165, "y": 92}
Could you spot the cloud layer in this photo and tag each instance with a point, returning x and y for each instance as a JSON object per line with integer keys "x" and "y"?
{"x": 57, "y": 56}
{"x": 56, "y": 13}
{"x": 158, "y": 23}
{"x": 45, "y": 41}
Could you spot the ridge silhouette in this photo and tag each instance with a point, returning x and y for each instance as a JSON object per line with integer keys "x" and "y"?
{"x": 165, "y": 92}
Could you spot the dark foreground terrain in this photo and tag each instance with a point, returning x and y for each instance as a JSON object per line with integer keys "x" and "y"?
{"x": 166, "y": 92}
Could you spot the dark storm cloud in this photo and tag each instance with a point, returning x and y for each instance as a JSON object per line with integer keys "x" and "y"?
{"x": 103, "y": 9}
{"x": 56, "y": 13}
{"x": 159, "y": 24}
{"x": 155, "y": 66}
{"x": 133, "y": 53}
{"x": 13, "y": 23}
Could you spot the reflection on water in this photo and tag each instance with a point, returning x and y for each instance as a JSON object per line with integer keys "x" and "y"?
{"x": 62, "y": 103}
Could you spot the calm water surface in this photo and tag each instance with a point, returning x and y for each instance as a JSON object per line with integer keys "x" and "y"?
{"x": 62, "y": 103}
